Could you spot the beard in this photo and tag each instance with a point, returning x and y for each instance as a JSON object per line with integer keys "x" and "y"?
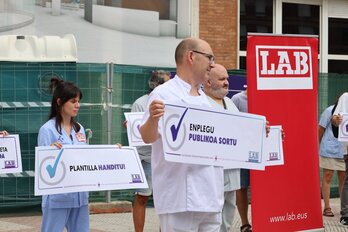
{"x": 219, "y": 92}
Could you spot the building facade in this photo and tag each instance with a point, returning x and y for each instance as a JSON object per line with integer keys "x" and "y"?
{"x": 225, "y": 24}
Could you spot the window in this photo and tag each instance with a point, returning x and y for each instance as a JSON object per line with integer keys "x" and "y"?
{"x": 300, "y": 19}
{"x": 293, "y": 18}
{"x": 255, "y": 16}
{"x": 338, "y": 66}
{"x": 338, "y": 31}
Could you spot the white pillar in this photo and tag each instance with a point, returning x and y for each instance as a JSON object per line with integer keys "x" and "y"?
{"x": 184, "y": 18}
{"x": 56, "y": 5}
{"x": 195, "y": 19}
{"x": 172, "y": 10}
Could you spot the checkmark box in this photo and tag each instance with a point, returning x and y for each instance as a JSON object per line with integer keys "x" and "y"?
{"x": 52, "y": 169}
{"x": 175, "y": 129}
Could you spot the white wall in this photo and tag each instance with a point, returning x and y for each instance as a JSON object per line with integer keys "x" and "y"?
{"x": 17, "y": 5}
{"x": 96, "y": 44}
{"x": 184, "y": 18}
{"x": 139, "y": 22}
{"x": 338, "y": 8}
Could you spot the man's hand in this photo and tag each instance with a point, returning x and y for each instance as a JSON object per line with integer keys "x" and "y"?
{"x": 268, "y": 128}
{"x": 156, "y": 109}
{"x": 149, "y": 131}
{"x": 336, "y": 120}
{"x": 124, "y": 123}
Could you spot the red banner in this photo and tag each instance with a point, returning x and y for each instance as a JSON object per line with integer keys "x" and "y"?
{"x": 282, "y": 78}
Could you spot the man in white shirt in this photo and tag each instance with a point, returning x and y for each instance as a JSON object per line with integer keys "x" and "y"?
{"x": 216, "y": 89}
{"x": 187, "y": 197}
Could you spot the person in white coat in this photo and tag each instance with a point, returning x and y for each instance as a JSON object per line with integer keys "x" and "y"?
{"x": 216, "y": 89}
{"x": 187, "y": 197}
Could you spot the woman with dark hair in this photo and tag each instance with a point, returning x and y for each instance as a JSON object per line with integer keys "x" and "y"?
{"x": 69, "y": 210}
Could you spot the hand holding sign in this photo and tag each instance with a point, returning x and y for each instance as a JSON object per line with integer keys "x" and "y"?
{"x": 77, "y": 168}
{"x": 232, "y": 140}
{"x": 3, "y": 133}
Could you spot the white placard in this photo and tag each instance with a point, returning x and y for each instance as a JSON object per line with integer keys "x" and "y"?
{"x": 133, "y": 124}
{"x": 76, "y": 168}
{"x": 10, "y": 154}
{"x": 201, "y": 135}
{"x": 343, "y": 129}
{"x": 273, "y": 147}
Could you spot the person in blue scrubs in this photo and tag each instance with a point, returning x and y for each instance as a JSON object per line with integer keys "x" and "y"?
{"x": 68, "y": 210}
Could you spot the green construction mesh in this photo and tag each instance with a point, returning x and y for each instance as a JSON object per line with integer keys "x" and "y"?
{"x": 24, "y": 97}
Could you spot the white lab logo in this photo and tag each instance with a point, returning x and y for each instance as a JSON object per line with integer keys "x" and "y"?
{"x": 284, "y": 67}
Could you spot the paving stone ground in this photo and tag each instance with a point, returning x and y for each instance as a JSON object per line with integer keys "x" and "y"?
{"x": 122, "y": 222}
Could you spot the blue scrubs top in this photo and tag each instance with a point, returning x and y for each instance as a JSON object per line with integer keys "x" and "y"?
{"x": 330, "y": 147}
{"x": 48, "y": 134}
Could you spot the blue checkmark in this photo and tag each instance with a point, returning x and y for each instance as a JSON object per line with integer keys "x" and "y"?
{"x": 52, "y": 170}
{"x": 175, "y": 129}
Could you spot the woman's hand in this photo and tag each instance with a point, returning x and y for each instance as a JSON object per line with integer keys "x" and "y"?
{"x": 57, "y": 145}
{"x": 3, "y": 133}
{"x": 119, "y": 145}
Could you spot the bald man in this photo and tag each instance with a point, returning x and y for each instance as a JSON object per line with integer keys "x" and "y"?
{"x": 216, "y": 89}
{"x": 187, "y": 197}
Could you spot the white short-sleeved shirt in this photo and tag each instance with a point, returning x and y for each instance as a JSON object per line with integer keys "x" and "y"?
{"x": 330, "y": 147}
{"x": 140, "y": 105}
{"x": 342, "y": 107}
{"x": 48, "y": 134}
{"x": 231, "y": 176}
{"x": 181, "y": 187}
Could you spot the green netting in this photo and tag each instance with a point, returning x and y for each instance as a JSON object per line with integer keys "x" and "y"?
{"x": 24, "y": 98}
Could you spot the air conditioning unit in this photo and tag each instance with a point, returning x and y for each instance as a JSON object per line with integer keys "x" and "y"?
{"x": 31, "y": 48}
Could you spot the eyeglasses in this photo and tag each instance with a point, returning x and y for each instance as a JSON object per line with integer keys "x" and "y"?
{"x": 209, "y": 56}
